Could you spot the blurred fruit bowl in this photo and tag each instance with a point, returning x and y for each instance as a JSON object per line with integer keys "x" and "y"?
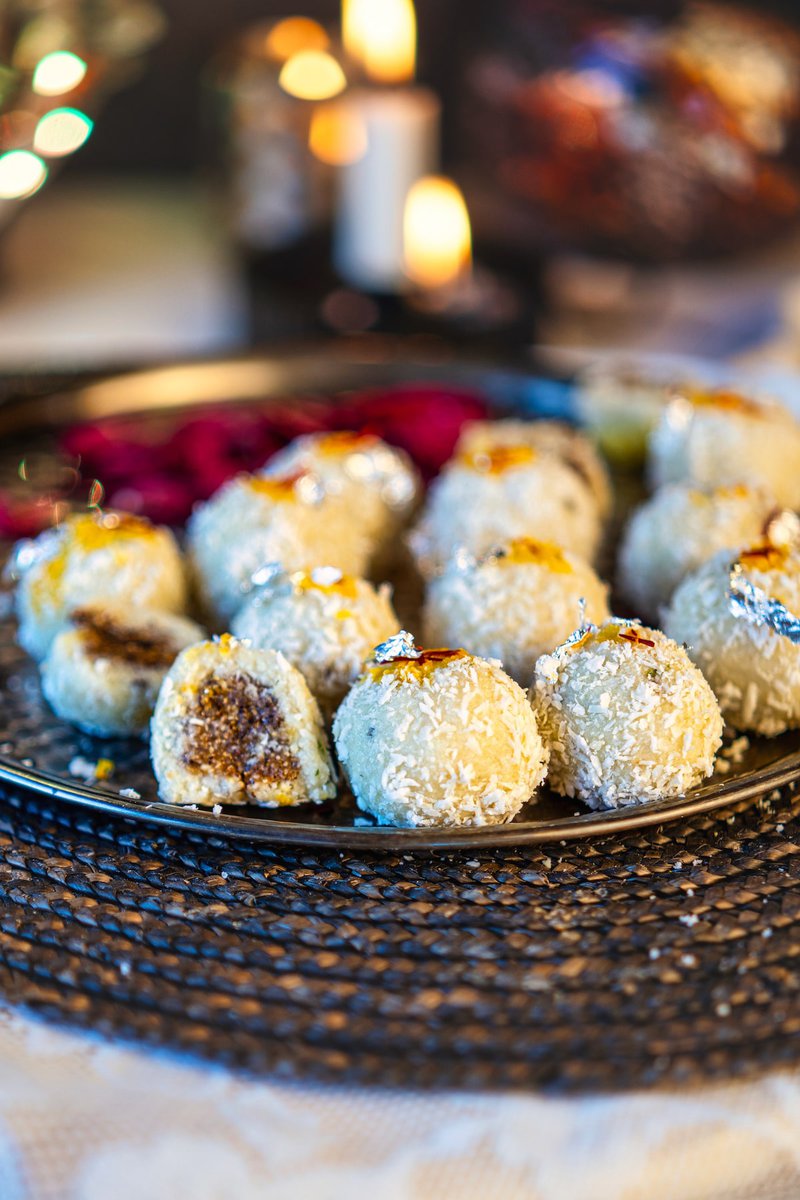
{"x": 59, "y": 59}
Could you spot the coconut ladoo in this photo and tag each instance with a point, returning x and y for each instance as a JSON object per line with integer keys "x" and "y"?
{"x": 739, "y": 615}
{"x": 237, "y": 725}
{"x": 377, "y": 481}
{"x": 485, "y": 498}
{"x": 515, "y": 603}
{"x": 563, "y": 441}
{"x": 324, "y": 622}
{"x": 438, "y": 737}
{"x": 253, "y": 521}
{"x": 679, "y": 528}
{"x": 103, "y": 672}
{"x": 626, "y": 716}
{"x": 94, "y": 557}
{"x": 712, "y": 439}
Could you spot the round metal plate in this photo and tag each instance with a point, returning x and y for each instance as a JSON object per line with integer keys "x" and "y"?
{"x": 39, "y": 753}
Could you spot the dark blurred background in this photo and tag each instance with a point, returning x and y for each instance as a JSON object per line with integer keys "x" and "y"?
{"x": 156, "y": 123}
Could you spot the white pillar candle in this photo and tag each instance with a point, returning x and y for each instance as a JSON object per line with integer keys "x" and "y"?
{"x": 401, "y": 128}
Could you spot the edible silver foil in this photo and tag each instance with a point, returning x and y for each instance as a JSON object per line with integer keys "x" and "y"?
{"x": 266, "y": 580}
{"x": 751, "y": 603}
{"x": 28, "y": 552}
{"x": 464, "y": 562}
{"x": 309, "y": 489}
{"x": 322, "y": 576}
{"x": 399, "y": 645}
{"x": 383, "y": 468}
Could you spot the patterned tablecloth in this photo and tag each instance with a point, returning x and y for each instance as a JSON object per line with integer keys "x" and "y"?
{"x": 82, "y": 1120}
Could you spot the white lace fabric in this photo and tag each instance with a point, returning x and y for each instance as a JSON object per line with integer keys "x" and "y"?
{"x": 81, "y": 1119}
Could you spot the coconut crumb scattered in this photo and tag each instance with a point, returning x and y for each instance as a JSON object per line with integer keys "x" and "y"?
{"x": 91, "y": 772}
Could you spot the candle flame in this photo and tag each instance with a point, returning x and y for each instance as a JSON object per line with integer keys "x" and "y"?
{"x": 382, "y": 36}
{"x": 437, "y": 238}
{"x": 312, "y": 75}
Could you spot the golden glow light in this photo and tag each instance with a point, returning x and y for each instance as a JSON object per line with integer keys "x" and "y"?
{"x": 21, "y": 174}
{"x": 61, "y": 132}
{"x": 312, "y": 75}
{"x": 382, "y": 36}
{"x": 337, "y": 136}
{"x": 293, "y": 35}
{"x": 437, "y": 238}
{"x": 58, "y": 73}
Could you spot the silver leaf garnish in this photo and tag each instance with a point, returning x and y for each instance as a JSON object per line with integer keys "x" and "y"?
{"x": 309, "y": 489}
{"x": 28, "y": 552}
{"x": 266, "y": 579}
{"x": 463, "y": 561}
{"x": 326, "y": 576}
{"x": 399, "y": 645}
{"x": 753, "y": 604}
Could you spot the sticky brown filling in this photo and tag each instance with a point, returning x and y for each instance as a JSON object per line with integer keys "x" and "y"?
{"x": 105, "y": 637}
{"x": 235, "y": 728}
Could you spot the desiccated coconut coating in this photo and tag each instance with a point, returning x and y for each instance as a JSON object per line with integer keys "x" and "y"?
{"x": 95, "y": 556}
{"x": 377, "y": 480}
{"x": 236, "y": 725}
{"x": 626, "y": 717}
{"x": 103, "y": 671}
{"x": 253, "y": 521}
{"x": 754, "y": 671}
{"x": 444, "y": 739}
{"x": 718, "y": 439}
{"x": 679, "y": 528}
{"x": 484, "y": 499}
{"x": 549, "y": 437}
{"x": 324, "y": 622}
{"x": 514, "y": 604}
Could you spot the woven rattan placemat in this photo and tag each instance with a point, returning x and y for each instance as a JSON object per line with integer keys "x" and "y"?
{"x": 668, "y": 955}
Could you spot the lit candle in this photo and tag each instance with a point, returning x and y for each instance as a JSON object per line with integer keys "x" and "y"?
{"x": 381, "y": 35}
{"x": 399, "y": 133}
{"x": 437, "y": 238}
{"x": 450, "y": 294}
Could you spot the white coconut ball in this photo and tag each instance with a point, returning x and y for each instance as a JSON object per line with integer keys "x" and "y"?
{"x": 549, "y": 437}
{"x": 754, "y": 670}
{"x": 717, "y": 439}
{"x": 440, "y": 739}
{"x": 103, "y": 671}
{"x": 514, "y": 604}
{"x": 679, "y": 528}
{"x": 94, "y": 557}
{"x": 252, "y": 521}
{"x": 237, "y": 725}
{"x": 487, "y": 498}
{"x": 324, "y": 622}
{"x": 377, "y": 480}
{"x": 626, "y": 716}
